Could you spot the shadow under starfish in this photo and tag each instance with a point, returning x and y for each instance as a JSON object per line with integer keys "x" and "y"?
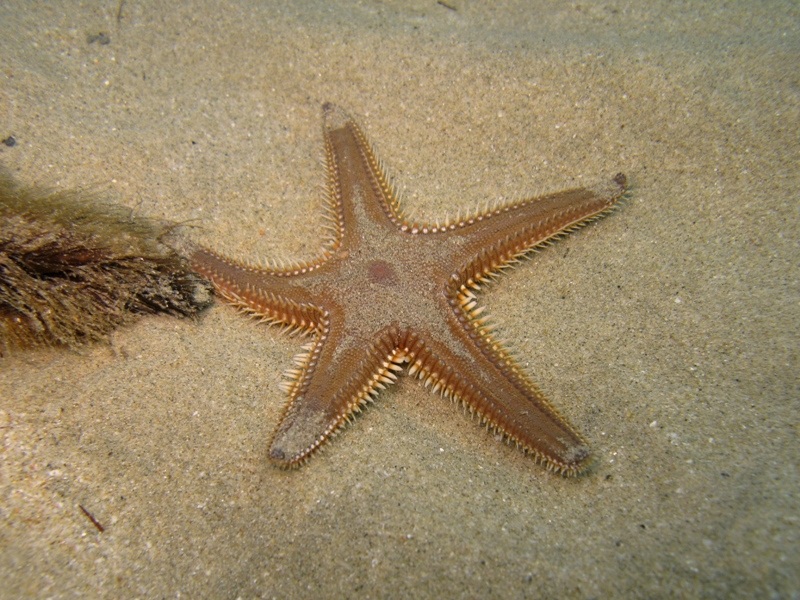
{"x": 385, "y": 292}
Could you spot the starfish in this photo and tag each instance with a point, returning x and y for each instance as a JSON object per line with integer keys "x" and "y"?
{"x": 386, "y": 291}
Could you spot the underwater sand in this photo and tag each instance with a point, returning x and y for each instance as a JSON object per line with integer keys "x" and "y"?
{"x": 666, "y": 333}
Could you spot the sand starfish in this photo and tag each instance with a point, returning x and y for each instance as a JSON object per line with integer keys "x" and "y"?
{"x": 386, "y": 291}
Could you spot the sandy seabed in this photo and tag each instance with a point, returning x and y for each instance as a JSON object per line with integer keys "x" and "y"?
{"x": 667, "y": 333}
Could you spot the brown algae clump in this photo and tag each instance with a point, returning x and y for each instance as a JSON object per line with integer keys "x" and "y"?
{"x": 72, "y": 269}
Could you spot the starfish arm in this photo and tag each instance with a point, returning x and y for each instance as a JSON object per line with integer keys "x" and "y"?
{"x": 491, "y": 385}
{"x": 506, "y": 233}
{"x": 360, "y": 194}
{"x": 268, "y": 296}
{"x": 337, "y": 377}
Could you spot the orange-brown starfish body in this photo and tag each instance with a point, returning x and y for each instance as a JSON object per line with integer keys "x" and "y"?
{"x": 386, "y": 292}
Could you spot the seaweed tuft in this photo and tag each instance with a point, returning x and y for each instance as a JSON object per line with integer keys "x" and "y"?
{"x": 72, "y": 268}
